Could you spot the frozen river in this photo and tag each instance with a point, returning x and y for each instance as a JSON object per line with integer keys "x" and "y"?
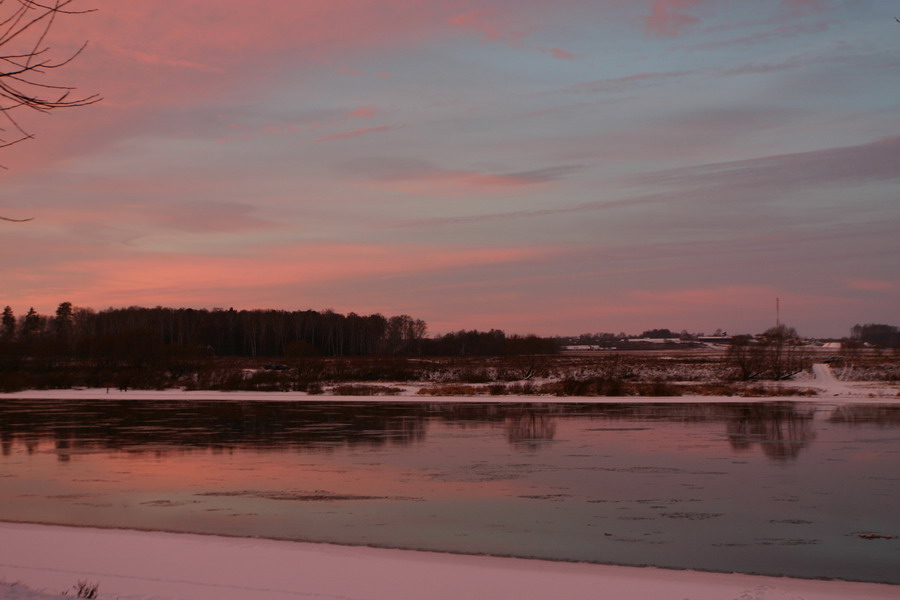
{"x": 801, "y": 489}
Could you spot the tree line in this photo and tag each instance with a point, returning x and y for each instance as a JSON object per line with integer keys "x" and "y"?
{"x": 137, "y": 332}
{"x": 876, "y": 334}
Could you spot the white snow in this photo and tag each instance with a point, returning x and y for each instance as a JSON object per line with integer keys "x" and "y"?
{"x": 137, "y": 565}
{"x": 828, "y": 383}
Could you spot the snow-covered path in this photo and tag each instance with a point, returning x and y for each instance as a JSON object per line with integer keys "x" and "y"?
{"x": 826, "y": 381}
{"x": 135, "y": 565}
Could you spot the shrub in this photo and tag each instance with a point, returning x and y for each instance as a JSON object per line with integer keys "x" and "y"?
{"x": 474, "y": 376}
{"x": 659, "y": 388}
{"x": 84, "y": 589}
{"x": 365, "y": 390}
{"x": 449, "y": 390}
{"x": 522, "y": 389}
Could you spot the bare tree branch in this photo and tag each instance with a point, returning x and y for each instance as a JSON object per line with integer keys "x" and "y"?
{"x": 26, "y": 63}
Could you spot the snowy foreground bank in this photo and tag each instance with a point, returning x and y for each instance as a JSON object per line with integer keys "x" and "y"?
{"x": 39, "y": 562}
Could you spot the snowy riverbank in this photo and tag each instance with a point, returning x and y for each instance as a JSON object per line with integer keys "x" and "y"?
{"x": 45, "y": 561}
{"x": 822, "y": 380}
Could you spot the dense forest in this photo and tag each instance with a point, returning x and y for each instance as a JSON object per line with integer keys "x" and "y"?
{"x": 145, "y": 333}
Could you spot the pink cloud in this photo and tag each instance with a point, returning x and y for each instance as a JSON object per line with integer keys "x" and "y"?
{"x": 141, "y": 278}
{"x": 365, "y": 111}
{"x": 144, "y": 57}
{"x": 562, "y": 54}
{"x": 776, "y": 33}
{"x": 799, "y": 8}
{"x": 156, "y": 59}
{"x": 449, "y": 182}
{"x": 668, "y": 18}
{"x": 415, "y": 176}
{"x": 874, "y": 285}
{"x": 628, "y": 82}
{"x": 343, "y": 135}
{"x": 491, "y": 25}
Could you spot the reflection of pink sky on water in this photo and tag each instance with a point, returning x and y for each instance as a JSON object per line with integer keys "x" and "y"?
{"x": 430, "y": 469}
{"x": 365, "y": 473}
{"x": 722, "y": 486}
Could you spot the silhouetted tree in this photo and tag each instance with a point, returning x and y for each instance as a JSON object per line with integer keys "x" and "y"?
{"x": 32, "y": 324}
{"x": 8, "y": 324}
{"x": 876, "y": 334}
{"x": 776, "y": 354}
{"x": 64, "y": 320}
{"x": 63, "y": 326}
{"x": 745, "y": 357}
{"x": 659, "y": 333}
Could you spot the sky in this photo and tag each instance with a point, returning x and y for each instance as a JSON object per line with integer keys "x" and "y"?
{"x": 539, "y": 167}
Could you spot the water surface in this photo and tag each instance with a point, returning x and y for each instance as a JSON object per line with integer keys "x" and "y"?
{"x": 773, "y": 488}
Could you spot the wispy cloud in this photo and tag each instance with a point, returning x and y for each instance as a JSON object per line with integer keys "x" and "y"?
{"x": 206, "y": 216}
{"x": 561, "y": 54}
{"x": 874, "y": 285}
{"x": 800, "y": 8}
{"x": 343, "y": 135}
{"x": 762, "y": 37}
{"x": 365, "y": 112}
{"x": 413, "y": 174}
{"x": 669, "y": 18}
{"x": 155, "y": 59}
{"x": 873, "y": 161}
{"x": 727, "y": 183}
{"x": 647, "y": 165}
{"x": 626, "y": 83}
{"x": 493, "y": 25}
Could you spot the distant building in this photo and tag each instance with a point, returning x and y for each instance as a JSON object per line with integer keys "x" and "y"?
{"x": 657, "y": 340}
{"x": 586, "y": 348}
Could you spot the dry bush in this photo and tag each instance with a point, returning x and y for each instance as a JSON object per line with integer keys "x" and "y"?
{"x": 758, "y": 390}
{"x": 314, "y": 388}
{"x": 657, "y": 388}
{"x": 746, "y": 391}
{"x": 593, "y": 386}
{"x": 449, "y": 390}
{"x": 365, "y": 390}
{"x": 85, "y": 589}
{"x": 371, "y": 369}
{"x": 474, "y": 376}
{"x": 866, "y": 369}
{"x": 710, "y": 389}
{"x": 522, "y": 389}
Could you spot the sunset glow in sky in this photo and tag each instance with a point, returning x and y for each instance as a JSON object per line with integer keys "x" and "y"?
{"x": 541, "y": 167}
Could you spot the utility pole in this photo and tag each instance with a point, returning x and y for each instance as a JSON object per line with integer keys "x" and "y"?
{"x": 777, "y": 312}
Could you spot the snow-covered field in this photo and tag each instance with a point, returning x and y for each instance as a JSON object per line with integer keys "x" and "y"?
{"x": 40, "y": 562}
{"x": 136, "y": 565}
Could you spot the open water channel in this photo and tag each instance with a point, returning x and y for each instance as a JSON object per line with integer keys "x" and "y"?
{"x": 807, "y": 490}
